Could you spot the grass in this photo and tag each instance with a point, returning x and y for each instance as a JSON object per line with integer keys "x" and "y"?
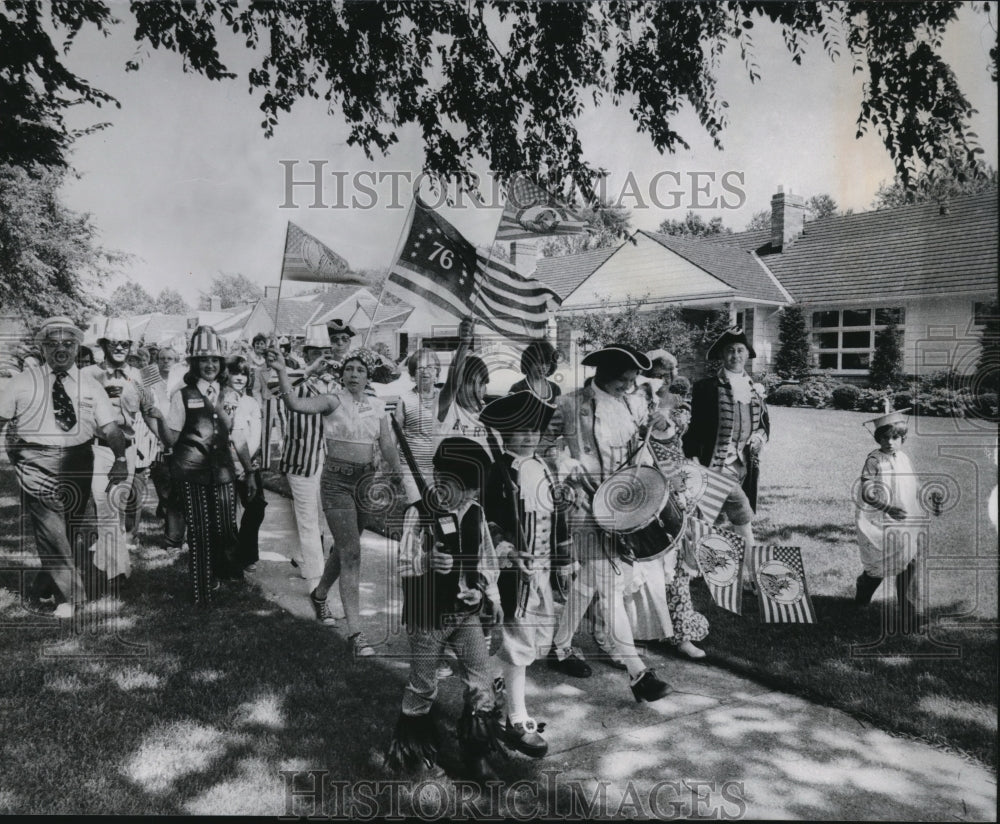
{"x": 941, "y": 688}
{"x": 155, "y": 707}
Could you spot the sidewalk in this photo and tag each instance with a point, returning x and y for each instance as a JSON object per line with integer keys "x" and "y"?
{"x": 719, "y": 746}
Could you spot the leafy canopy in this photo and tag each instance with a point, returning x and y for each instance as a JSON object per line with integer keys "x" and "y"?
{"x": 502, "y": 81}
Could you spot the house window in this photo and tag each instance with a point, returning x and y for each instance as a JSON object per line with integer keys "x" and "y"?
{"x": 845, "y": 338}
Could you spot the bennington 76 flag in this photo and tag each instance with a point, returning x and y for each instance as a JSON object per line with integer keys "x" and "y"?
{"x": 439, "y": 270}
{"x": 781, "y": 585}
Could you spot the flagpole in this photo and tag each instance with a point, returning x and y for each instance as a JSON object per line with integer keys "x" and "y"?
{"x": 281, "y": 281}
{"x": 395, "y": 256}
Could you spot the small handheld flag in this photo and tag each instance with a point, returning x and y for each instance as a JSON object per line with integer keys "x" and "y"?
{"x": 707, "y": 488}
{"x": 781, "y": 585}
{"x": 150, "y": 375}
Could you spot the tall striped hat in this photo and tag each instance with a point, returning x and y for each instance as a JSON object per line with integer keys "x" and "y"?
{"x": 206, "y": 343}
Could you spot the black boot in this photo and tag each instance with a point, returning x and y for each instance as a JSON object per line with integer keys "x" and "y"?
{"x": 478, "y": 736}
{"x": 866, "y": 586}
{"x": 911, "y": 621}
{"x": 414, "y": 747}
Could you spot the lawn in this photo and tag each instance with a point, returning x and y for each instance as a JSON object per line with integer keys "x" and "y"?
{"x": 154, "y": 707}
{"x": 941, "y": 687}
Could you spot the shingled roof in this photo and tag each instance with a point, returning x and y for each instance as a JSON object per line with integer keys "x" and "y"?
{"x": 294, "y": 315}
{"x": 909, "y": 251}
{"x": 564, "y": 274}
{"x": 734, "y": 266}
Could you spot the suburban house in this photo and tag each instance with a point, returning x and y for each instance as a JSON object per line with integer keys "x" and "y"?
{"x": 930, "y": 267}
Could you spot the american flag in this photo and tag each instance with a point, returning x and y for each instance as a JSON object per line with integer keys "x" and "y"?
{"x": 532, "y": 211}
{"x": 708, "y": 489}
{"x": 714, "y": 550}
{"x": 150, "y": 375}
{"x": 781, "y": 585}
{"x": 440, "y": 271}
{"x": 307, "y": 259}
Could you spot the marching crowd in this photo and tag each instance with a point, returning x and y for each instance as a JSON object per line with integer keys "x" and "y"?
{"x": 520, "y": 516}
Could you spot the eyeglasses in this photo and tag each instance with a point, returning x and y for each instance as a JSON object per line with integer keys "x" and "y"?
{"x": 120, "y": 344}
{"x": 68, "y": 343}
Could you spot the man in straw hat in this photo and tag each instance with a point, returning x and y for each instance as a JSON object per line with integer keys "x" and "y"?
{"x": 599, "y": 431}
{"x": 124, "y": 387}
{"x": 55, "y": 412}
{"x": 302, "y": 456}
{"x": 729, "y": 426}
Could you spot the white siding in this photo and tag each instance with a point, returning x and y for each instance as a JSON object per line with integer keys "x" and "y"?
{"x": 940, "y": 334}
{"x": 646, "y": 268}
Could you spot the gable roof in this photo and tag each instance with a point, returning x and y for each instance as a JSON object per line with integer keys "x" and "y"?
{"x": 910, "y": 251}
{"x": 564, "y": 274}
{"x": 732, "y": 265}
{"x": 295, "y": 314}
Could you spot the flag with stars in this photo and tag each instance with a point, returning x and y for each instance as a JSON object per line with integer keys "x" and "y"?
{"x": 439, "y": 271}
{"x": 531, "y": 211}
{"x": 782, "y": 593}
{"x": 718, "y": 555}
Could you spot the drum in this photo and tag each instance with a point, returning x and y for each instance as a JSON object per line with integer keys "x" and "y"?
{"x": 638, "y": 507}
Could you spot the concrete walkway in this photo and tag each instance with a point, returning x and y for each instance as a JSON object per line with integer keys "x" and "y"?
{"x": 719, "y": 746}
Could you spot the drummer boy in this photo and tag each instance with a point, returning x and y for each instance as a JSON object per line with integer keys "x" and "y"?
{"x": 532, "y": 542}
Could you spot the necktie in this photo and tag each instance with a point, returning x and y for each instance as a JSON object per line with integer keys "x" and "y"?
{"x": 62, "y": 406}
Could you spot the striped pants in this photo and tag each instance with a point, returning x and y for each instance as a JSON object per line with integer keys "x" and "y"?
{"x": 210, "y": 516}
{"x": 274, "y": 413}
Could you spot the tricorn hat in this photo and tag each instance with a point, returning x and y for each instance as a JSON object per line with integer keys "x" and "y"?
{"x": 205, "y": 343}
{"x": 316, "y": 337}
{"x": 115, "y": 329}
{"x": 337, "y": 326}
{"x": 619, "y": 357}
{"x": 518, "y": 412}
{"x": 733, "y": 334}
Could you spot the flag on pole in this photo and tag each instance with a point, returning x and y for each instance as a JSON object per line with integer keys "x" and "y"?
{"x": 781, "y": 585}
{"x": 719, "y": 555}
{"x": 707, "y": 488}
{"x": 531, "y": 211}
{"x": 439, "y": 271}
{"x": 307, "y": 259}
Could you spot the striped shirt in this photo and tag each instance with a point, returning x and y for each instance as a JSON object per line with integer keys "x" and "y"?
{"x": 420, "y": 426}
{"x": 303, "y": 450}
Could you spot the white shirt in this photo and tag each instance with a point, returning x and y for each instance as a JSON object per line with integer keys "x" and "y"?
{"x": 27, "y": 401}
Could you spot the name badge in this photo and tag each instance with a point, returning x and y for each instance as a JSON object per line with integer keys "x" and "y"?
{"x": 365, "y": 412}
{"x": 196, "y": 403}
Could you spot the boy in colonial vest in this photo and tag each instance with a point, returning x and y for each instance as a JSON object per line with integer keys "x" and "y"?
{"x": 448, "y": 571}
{"x": 532, "y": 541}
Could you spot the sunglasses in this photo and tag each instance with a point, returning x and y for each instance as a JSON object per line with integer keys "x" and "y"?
{"x": 120, "y": 344}
{"x": 59, "y": 344}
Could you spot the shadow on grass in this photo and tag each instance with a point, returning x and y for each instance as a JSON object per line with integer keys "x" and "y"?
{"x": 226, "y": 698}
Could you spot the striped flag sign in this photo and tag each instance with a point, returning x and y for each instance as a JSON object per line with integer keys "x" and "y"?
{"x": 441, "y": 272}
{"x": 781, "y": 585}
{"x": 150, "y": 375}
{"x": 719, "y": 555}
{"x": 532, "y": 211}
{"x": 707, "y": 488}
{"x": 309, "y": 260}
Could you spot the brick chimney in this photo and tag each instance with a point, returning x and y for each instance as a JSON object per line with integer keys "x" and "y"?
{"x": 214, "y": 303}
{"x": 523, "y": 257}
{"x": 788, "y": 215}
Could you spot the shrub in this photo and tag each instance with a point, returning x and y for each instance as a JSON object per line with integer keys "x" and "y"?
{"x": 787, "y": 396}
{"x": 945, "y": 379}
{"x": 792, "y": 360}
{"x": 769, "y": 380}
{"x": 902, "y": 400}
{"x": 985, "y": 406}
{"x": 942, "y": 403}
{"x": 845, "y": 397}
{"x": 872, "y": 400}
{"x": 818, "y": 391}
{"x": 886, "y": 368}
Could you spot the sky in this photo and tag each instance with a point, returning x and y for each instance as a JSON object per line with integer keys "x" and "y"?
{"x": 185, "y": 181}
